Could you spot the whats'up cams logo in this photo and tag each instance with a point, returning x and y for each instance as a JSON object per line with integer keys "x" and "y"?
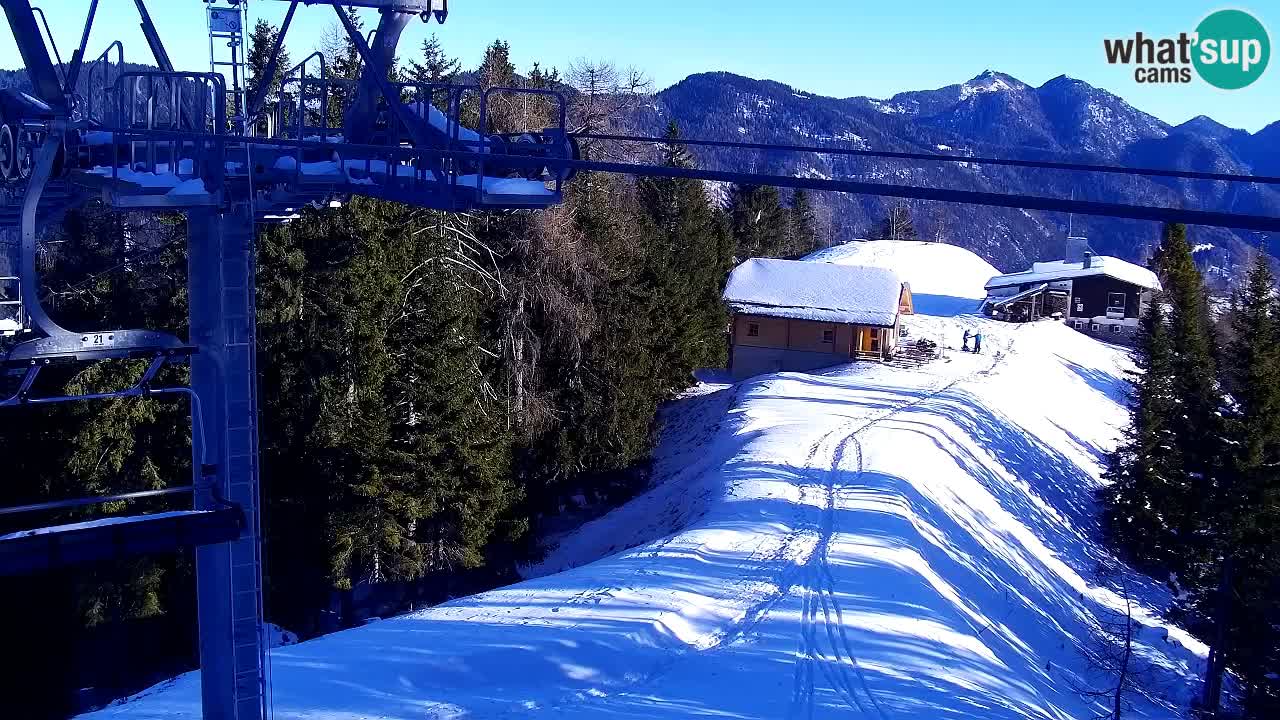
{"x": 1229, "y": 49}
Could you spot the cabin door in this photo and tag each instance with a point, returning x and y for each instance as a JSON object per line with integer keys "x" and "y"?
{"x": 868, "y": 340}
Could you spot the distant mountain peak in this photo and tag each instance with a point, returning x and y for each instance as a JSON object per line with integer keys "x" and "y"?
{"x": 990, "y": 81}
{"x": 990, "y": 76}
{"x": 1271, "y": 130}
{"x": 992, "y": 113}
{"x": 1063, "y": 81}
{"x": 1208, "y": 127}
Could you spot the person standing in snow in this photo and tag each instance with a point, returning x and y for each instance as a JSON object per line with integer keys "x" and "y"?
{"x": 966, "y": 340}
{"x": 977, "y": 342}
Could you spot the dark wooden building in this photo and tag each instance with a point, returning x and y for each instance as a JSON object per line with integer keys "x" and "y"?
{"x": 1097, "y": 294}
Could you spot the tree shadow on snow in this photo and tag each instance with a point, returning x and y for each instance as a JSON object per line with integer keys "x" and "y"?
{"x": 944, "y": 305}
{"x": 1115, "y": 388}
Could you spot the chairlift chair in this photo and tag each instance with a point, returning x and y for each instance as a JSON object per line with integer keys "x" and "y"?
{"x": 55, "y": 344}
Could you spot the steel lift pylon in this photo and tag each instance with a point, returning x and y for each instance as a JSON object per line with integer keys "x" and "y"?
{"x": 162, "y": 140}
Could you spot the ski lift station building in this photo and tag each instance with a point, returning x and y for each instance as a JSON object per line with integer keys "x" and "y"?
{"x": 1096, "y": 294}
{"x": 798, "y": 315}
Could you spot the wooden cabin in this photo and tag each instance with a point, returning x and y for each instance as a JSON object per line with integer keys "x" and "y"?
{"x": 799, "y": 315}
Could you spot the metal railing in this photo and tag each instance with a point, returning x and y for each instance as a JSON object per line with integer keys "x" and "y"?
{"x": 312, "y": 109}
{"x": 172, "y": 123}
{"x": 102, "y": 65}
{"x": 418, "y": 146}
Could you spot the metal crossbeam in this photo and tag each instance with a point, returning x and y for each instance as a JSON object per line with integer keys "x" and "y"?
{"x": 23, "y": 553}
{"x": 35, "y": 56}
{"x": 153, "y": 38}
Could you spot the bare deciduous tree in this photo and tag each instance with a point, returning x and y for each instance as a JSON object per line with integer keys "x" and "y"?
{"x": 604, "y": 99}
{"x": 1117, "y": 671}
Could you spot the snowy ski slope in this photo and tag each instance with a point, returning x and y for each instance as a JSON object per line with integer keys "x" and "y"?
{"x": 868, "y": 542}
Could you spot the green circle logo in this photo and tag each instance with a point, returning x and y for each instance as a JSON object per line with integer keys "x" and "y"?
{"x": 1233, "y": 49}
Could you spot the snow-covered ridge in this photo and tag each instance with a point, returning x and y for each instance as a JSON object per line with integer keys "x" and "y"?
{"x": 868, "y": 542}
{"x": 945, "y": 279}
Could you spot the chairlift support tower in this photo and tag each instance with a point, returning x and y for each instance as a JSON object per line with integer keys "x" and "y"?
{"x": 162, "y": 141}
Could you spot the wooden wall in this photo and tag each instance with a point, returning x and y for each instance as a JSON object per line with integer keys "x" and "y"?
{"x": 786, "y": 334}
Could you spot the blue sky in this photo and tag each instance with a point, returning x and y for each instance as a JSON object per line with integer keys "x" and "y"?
{"x": 831, "y": 47}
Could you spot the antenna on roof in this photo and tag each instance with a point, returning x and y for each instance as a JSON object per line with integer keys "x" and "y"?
{"x": 1076, "y": 246}
{"x": 1071, "y": 217}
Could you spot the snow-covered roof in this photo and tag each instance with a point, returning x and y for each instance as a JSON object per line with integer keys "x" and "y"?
{"x": 1020, "y": 296}
{"x": 819, "y": 291}
{"x": 1063, "y": 270}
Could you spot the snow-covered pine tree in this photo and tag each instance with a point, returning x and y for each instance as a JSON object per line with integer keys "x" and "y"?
{"x": 1168, "y": 466}
{"x": 1197, "y": 425}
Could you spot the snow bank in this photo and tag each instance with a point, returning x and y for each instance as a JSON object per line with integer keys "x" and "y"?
{"x": 945, "y": 279}
{"x": 870, "y": 541}
{"x": 194, "y": 186}
{"x": 931, "y": 268}
{"x": 441, "y": 122}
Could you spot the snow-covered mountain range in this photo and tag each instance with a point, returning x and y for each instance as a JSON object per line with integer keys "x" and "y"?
{"x": 993, "y": 114}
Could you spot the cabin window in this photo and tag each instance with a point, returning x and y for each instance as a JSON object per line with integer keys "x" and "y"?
{"x": 753, "y": 329}
{"x": 1079, "y": 305}
{"x": 1115, "y": 302}
{"x": 1080, "y": 324}
{"x": 1095, "y": 327}
{"x": 828, "y": 336}
{"x": 1116, "y": 328}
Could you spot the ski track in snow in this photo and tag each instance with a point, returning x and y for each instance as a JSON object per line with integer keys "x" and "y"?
{"x": 869, "y": 542}
{"x": 818, "y": 588}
